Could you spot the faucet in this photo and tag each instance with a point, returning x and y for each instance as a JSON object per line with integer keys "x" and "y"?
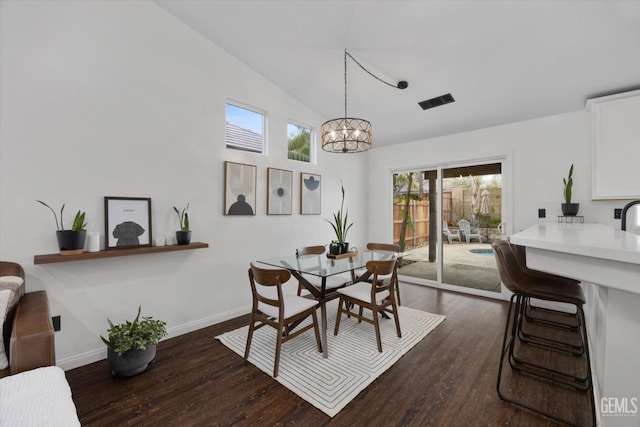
{"x": 623, "y": 215}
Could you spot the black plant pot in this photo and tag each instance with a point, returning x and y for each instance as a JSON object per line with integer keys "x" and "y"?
{"x": 344, "y": 248}
{"x": 335, "y": 250}
{"x": 71, "y": 242}
{"x": 132, "y": 362}
{"x": 570, "y": 209}
{"x": 183, "y": 237}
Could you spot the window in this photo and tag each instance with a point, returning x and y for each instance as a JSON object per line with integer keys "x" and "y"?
{"x": 298, "y": 143}
{"x": 245, "y": 129}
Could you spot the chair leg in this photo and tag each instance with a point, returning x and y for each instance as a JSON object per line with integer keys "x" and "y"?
{"x": 276, "y": 362}
{"x": 398, "y": 292}
{"x": 396, "y": 318}
{"x": 249, "y": 336}
{"x": 340, "y": 302}
{"x": 376, "y": 324}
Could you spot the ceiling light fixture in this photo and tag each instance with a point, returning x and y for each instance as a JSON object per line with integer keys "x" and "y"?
{"x": 348, "y": 134}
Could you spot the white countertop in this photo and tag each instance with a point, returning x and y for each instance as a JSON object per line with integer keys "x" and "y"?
{"x": 589, "y": 239}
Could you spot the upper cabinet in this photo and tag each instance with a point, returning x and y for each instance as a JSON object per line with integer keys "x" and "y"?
{"x": 615, "y": 139}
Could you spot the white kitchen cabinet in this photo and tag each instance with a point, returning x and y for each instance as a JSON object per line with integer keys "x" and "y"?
{"x": 615, "y": 139}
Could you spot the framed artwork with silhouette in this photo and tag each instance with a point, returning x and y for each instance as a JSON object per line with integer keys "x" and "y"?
{"x": 279, "y": 188}
{"x": 127, "y": 222}
{"x": 239, "y": 189}
{"x": 310, "y": 187}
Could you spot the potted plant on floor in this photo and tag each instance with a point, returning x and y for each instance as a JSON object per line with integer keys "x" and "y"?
{"x": 183, "y": 236}
{"x": 70, "y": 242}
{"x": 341, "y": 224}
{"x": 131, "y": 347}
{"x": 568, "y": 208}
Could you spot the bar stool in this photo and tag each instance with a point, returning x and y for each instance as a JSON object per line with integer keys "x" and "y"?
{"x": 565, "y": 320}
{"x": 526, "y": 285}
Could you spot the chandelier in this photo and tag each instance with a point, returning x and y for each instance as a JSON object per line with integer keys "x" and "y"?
{"x": 349, "y": 134}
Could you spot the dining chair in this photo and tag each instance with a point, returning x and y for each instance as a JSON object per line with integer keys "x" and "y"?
{"x": 388, "y": 251}
{"x": 377, "y": 296}
{"x": 279, "y": 311}
{"x": 331, "y": 282}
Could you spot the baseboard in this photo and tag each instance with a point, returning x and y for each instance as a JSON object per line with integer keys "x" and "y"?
{"x": 96, "y": 355}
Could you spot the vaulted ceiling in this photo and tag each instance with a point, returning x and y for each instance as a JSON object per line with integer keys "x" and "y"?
{"x": 503, "y": 61}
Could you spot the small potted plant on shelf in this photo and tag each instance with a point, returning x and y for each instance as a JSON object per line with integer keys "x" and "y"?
{"x": 183, "y": 236}
{"x": 568, "y": 208}
{"x": 131, "y": 347}
{"x": 70, "y": 242}
{"x": 341, "y": 224}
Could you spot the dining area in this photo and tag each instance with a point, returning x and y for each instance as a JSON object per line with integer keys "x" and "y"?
{"x": 343, "y": 317}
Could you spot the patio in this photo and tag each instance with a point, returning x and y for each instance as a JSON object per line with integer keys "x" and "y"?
{"x": 461, "y": 266}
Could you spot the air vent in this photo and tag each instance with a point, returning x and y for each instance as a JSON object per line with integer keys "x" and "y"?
{"x": 437, "y": 101}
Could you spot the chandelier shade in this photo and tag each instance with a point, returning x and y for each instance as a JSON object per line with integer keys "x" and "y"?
{"x": 346, "y": 135}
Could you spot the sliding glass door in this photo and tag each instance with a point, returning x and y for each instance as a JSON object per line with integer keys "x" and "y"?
{"x": 445, "y": 218}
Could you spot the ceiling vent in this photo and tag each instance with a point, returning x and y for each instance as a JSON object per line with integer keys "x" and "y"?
{"x": 437, "y": 101}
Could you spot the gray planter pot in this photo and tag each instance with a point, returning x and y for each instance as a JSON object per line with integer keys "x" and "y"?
{"x": 69, "y": 240}
{"x": 570, "y": 209}
{"x": 183, "y": 237}
{"x": 132, "y": 362}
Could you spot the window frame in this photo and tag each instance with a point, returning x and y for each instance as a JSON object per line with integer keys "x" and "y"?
{"x": 263, "y": 113}
{"x": 312, "y": 139}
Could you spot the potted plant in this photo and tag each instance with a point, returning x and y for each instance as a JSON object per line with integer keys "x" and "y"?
{"x": 335, "y": 248}
{"x": 70, "y": 242}
{"x": 183, "y": 236}
{"x": 568, "y": 208}
{"x": 131, "y": 347}
{"x": 341, "y": 224}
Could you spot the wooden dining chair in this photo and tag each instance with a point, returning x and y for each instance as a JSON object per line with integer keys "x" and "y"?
{"x": 378, "y": 297}
{"x": 279, "y": 311}
{"x": 388, "y": 251}
{"x": 331, "y": 282}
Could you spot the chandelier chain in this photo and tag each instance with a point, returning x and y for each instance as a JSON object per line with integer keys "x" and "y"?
{"x": 362, "y": 66}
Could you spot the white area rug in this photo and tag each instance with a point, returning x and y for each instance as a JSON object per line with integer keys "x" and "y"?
{"x": 353, "y": 362}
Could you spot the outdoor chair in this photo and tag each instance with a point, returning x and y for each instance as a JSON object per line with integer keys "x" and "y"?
{"x": 465, "y": 227}
{"x": 377, "y": 296}
{"x": 280, "y": 311}
{"x": 331, "y": 282}
{"x": 450, "y": 234}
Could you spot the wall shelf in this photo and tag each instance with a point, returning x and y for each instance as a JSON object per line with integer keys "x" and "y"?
{"x": 110, "y": 253}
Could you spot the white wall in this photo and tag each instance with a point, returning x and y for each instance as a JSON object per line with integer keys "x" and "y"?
{"x": 108, "y": 98}
{"x": 540, "y": 152}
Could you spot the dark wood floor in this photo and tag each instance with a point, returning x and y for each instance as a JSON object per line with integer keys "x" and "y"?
{"x": 448, "y": 379}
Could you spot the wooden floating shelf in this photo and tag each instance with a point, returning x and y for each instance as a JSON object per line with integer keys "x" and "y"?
{"x": 110, "y": 253}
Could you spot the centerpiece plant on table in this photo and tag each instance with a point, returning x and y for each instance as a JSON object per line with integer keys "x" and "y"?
{"x": 340, "y": 224}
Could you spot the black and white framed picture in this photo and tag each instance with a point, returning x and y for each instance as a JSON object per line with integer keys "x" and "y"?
{"x": 239, "y": 189}
{"x": 127, "y": 222}
{"x": 309, "y": 194}
{"x": 279, "y": 186}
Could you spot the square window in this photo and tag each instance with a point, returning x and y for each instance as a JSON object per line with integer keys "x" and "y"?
{"x": 298, "y": 143}
{"x": 244, "y": 129}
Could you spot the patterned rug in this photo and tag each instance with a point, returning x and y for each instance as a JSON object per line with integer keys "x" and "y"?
{"x": 353, "y": 362}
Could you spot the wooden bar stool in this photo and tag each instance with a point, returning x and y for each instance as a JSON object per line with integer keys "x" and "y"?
{"x": 526, "y": 286}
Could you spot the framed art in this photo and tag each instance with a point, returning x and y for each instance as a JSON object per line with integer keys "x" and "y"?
{"x": 239, "y": 189}
{"x": 310, "y": 194}
{"x": 279, "y": 186}
{"x": 127, "y": 222}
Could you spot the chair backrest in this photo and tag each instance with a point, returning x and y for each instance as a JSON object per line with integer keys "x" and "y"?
{"x": 310, "y": 250}
{"x": 445, "y": 227}
{"x": 267, "y": 277}
{"x": 465, "y": 226}
{"x": 389, "y": 247}
{"x": 380, "y": 268}
{"x": 511, "y": 274}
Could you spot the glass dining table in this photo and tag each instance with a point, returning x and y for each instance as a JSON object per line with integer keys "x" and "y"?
{"x": 323, "y": 267}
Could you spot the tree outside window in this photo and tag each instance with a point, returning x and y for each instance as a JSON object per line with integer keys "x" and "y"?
{"x": 299, "y": 143}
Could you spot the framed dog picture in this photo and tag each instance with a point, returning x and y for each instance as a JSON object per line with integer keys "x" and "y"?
{"x": 127, "y": 222}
